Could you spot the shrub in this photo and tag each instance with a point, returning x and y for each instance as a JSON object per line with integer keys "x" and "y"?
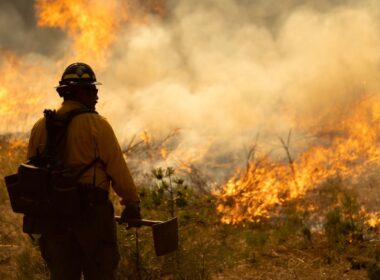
{"x": 344, "y": 224}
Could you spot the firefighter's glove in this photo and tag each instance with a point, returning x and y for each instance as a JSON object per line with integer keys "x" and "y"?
{"x": 130, "y": 212}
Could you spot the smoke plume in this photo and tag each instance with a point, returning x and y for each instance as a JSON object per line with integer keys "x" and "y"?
{"x": 222, "y": 71}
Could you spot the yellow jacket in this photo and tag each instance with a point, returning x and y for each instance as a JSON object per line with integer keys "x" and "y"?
{"x": 90, "y": 136}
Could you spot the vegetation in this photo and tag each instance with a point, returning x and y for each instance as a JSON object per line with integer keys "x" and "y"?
{"x": 331, "y": 241}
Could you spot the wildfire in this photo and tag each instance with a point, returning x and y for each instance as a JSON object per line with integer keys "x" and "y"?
{"x": 185, "y": 157}
{"x": 164, "y": 153}
{"x": 252, "y": 194}
{"x": 145, "y": 137}
{"x": 373, "y": 219}
{"x": 267, "y": 183}
{"x": 91, "y": 24}
{"x": 18, "y": 80}
{"x": 180, "y": 156}
{"x": 26, "y": 83}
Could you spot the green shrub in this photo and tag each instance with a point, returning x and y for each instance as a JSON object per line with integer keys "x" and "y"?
{"x": 257, "y": 238}
{"x": 344, "y": 224}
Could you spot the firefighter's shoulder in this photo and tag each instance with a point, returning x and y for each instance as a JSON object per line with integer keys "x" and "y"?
{"x": 94, "y": 116}
{"x": 39, "y": 125}
{"x": 94, "y": 120}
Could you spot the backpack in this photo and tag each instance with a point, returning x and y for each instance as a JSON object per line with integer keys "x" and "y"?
{"x": 42, "y": 189}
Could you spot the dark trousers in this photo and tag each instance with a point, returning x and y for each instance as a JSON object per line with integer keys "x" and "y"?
{"x": 87, "y": 245}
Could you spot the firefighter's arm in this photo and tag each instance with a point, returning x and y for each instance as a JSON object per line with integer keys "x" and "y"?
{"x": 36, "y": 139}
{"x": 115, "y": 165}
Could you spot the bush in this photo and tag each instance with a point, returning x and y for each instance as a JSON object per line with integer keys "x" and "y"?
{"x": 344, "y": 224}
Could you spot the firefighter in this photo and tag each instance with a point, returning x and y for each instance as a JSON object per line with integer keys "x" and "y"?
{"x": 87, "y": 245}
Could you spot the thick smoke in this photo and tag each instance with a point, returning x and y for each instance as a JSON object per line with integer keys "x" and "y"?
{"x": 19, "y": 31}
{"x": 230, "y": 70}
{"x": 225, "y": 71}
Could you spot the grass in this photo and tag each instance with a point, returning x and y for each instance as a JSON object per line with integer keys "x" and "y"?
{"x": 29, "y": 264}
{"x": 297, "y": 244}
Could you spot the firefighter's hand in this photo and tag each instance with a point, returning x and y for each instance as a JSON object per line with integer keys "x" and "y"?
{"x": 130, "y": 212}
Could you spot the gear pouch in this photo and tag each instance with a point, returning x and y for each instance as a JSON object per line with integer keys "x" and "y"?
{"x": 66, "y": 194}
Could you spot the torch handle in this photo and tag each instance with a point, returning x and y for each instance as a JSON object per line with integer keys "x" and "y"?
{"x": 142, "y": 222}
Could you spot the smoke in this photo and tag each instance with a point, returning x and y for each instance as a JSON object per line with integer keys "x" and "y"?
{"x": 19, "y": 31}
{"x": 225, "y": 71}
{"x": 230, "y": 70}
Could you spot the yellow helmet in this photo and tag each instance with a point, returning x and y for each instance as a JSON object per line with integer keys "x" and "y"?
{"x": 78, "y": 74}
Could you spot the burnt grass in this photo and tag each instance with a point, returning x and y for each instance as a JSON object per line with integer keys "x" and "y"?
{"x": 331, "y": 242}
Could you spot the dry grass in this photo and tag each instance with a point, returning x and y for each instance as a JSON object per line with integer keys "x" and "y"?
{"x": 209, "y": 250}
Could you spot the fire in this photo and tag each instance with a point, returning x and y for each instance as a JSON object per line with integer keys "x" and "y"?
{"x": 145, "y": 137}
{"x": 164, "y": 152}
{"x": 373, "y": 219}
{"x": 91, "y": 24}
{"x": 267, "y": 183}
{"x": 3, "y": 94}
{"x": 19, "y": 81}
{"x": 183, "y": 156}
{"x": 26, "y": 83}
{"x": 252, "y": 194}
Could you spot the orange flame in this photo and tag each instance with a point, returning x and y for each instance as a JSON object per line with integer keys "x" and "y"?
{"x": 185, "y": 157}
{"x": 145, "y": 137}
{"x": 268, "y": 183}
{"x": 373, "y": 219}
{"x": 92, "y": 24}
{"x": 18, "y": 80}
{"x": 164, "y": 153}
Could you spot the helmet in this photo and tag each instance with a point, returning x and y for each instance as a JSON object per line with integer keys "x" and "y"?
{"x": 78, "y": 74}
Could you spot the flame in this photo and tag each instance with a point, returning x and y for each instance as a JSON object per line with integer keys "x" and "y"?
{"x": 20, "y": 80}
{"x": 3, "y": 106}
{"x": 145, "y": 137}
{"x": 267, "y": 183}
{"x": 182, "y": 156}
{"x": 185, "y": 157}
{"x": 91, "y": 24}
{"x": 164, "y": 152}
{"x": 94, "y": 26}
{"x": 373, "y": 219}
